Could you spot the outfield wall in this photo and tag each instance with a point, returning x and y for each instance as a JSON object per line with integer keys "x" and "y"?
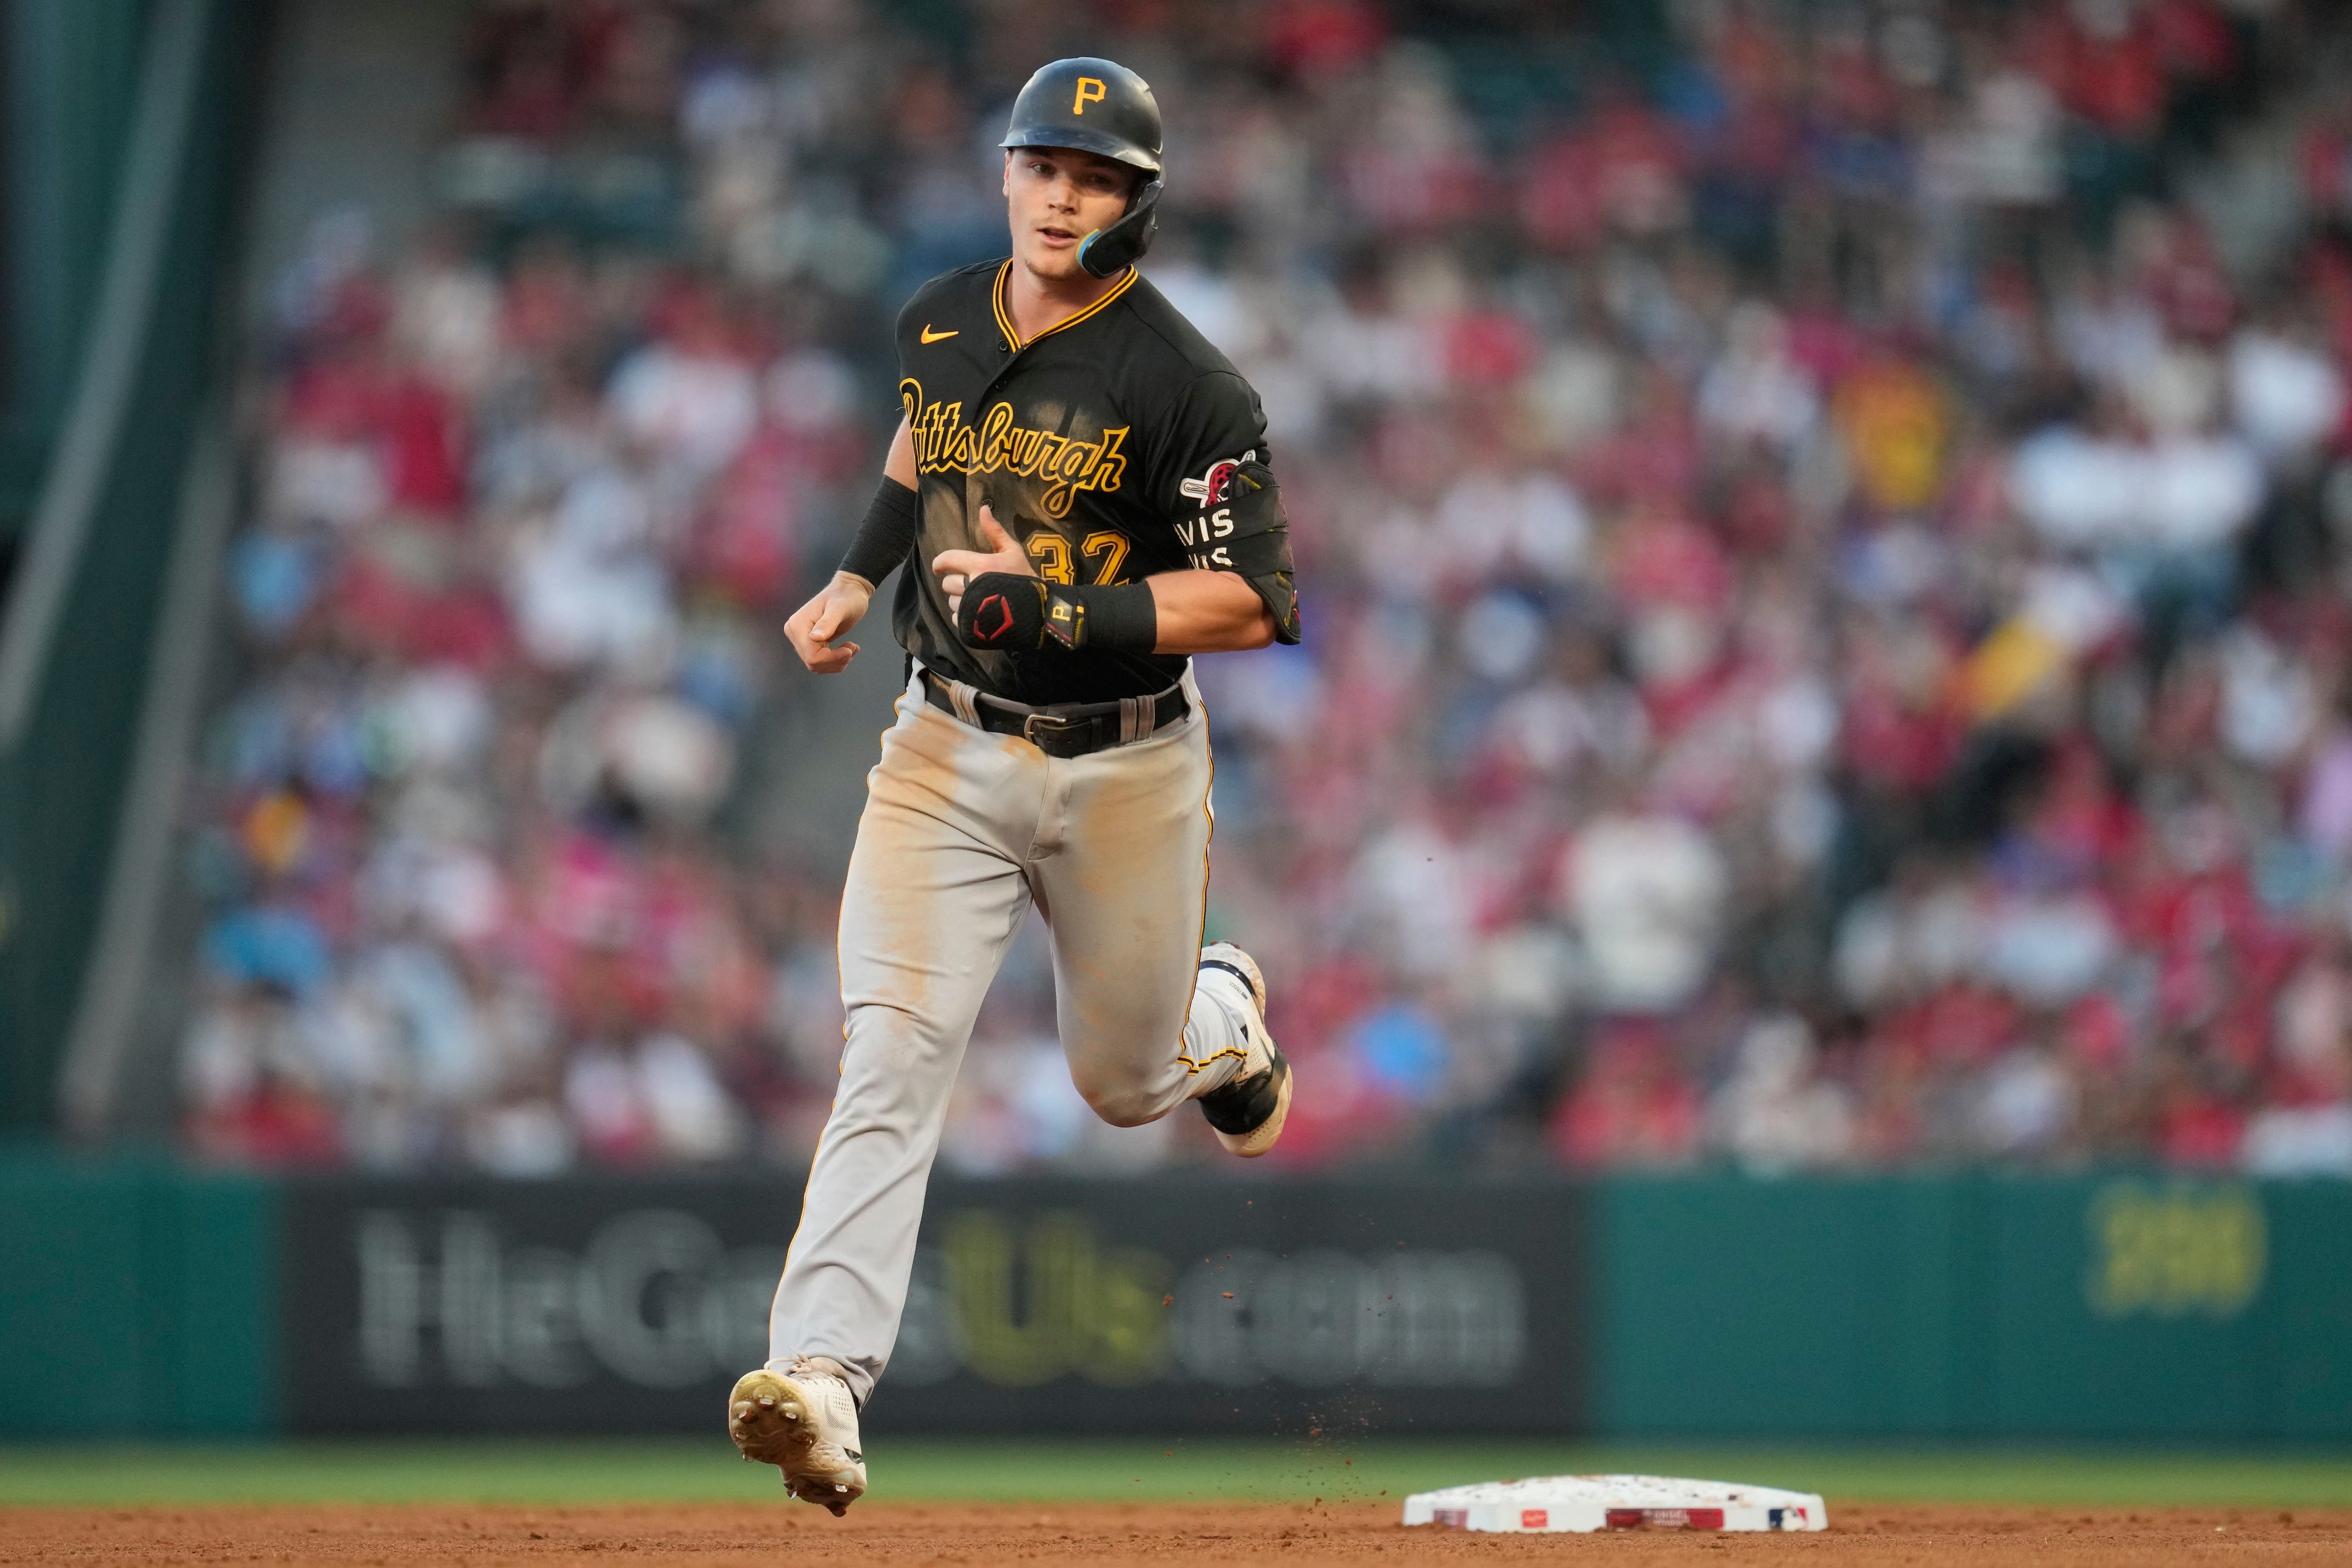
{"x": 2118, "y": 1306}
{"x": 136, "y": 1299}
{"x": 140, "y": 1299}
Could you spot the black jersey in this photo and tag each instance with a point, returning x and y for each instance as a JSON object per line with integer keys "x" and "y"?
{"x": 1099, "y": 444}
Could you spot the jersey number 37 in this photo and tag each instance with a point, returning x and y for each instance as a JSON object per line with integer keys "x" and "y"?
{"x": 1050, "y": 552}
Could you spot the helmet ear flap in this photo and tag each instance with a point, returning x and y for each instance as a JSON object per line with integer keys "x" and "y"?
{"x": 1109, "y": 250}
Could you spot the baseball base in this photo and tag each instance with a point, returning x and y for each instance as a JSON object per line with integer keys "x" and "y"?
{"x": 1548, "y": 1503}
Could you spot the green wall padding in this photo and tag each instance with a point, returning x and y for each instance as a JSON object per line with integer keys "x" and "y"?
{"x": 1975, "y": 1306}
{"x": 136, "y": 1299}
{"x": 139, "y": 1299}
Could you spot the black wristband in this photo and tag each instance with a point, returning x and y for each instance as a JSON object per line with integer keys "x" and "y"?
{"x": 1015, "y": 613}
{"x": 1122, "y": 617}
{"x": 886, "y": 535}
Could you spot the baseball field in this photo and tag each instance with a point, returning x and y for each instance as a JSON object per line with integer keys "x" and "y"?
{"x": 680, "y": 1500}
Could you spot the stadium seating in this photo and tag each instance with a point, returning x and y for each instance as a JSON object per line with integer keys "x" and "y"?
{"x": 1823, "y": 546}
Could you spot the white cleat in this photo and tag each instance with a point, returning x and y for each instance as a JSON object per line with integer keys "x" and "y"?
{"x": 1247, "y": 1113}
{"x": 804, "y": 1421}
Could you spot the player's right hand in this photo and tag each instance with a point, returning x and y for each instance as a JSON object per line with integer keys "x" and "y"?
{"x": 837, "y": 607}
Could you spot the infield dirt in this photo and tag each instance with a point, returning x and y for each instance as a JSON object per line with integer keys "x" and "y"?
{"x": 979, "y": 1535}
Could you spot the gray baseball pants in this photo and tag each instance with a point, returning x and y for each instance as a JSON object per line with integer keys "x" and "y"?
{"x": 963, "y": 831}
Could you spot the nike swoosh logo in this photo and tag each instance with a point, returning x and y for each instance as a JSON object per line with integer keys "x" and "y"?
{"x": 931, "y": 337}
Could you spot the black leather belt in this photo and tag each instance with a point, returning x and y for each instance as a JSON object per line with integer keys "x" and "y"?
{"x": 1068, "y": 729}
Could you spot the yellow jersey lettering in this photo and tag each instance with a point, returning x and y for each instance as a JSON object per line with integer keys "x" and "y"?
{"x": 945, "y": 443}
{"x": 1025, "y": 446}
{"x": 1109, "y": 472}
{"x": 995, "y": 431}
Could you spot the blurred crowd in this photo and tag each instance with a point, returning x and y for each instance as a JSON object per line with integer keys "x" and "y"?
{"x": 1824, "y": 533}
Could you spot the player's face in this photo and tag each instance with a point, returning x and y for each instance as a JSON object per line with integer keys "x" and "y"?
{"x": 1057, "y": 196}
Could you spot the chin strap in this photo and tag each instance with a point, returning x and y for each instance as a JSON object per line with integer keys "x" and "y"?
{"x": 1113, "y": 250}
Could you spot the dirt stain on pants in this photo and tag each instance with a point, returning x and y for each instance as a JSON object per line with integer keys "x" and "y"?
{"x": 963, "y": 831}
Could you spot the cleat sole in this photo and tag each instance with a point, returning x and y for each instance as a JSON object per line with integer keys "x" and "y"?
{"x": 767, "y": 1420}
{"x": 771, "y": 1424}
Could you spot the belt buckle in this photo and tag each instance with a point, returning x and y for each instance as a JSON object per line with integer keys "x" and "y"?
{"x": 1053, "y": 727}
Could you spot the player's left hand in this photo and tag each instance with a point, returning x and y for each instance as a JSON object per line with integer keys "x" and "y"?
{"x": 956, "y": 567}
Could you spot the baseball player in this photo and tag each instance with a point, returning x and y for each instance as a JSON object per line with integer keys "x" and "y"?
{"x": 1080, "y": 493}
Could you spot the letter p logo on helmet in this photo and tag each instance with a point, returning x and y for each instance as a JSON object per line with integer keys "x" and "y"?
{"x": 1090, "y": 90}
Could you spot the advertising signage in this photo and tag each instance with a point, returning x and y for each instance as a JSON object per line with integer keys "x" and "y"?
{"x": 586, "y": 1305}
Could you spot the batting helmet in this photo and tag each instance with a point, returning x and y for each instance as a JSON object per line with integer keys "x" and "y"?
{"x": 1101, "y": 107}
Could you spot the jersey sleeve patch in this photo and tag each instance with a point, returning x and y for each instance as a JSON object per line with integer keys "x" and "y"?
{"x": 1216, "y": 482}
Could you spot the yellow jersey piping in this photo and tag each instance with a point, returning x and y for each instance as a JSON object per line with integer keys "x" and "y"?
{"x": 1004, "y": 316}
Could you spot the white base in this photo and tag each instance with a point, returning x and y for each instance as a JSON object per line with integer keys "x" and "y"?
{"x": 1550, "y": 1504}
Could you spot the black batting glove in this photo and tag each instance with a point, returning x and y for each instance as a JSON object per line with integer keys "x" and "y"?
{"x": 1002, "y": 613}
